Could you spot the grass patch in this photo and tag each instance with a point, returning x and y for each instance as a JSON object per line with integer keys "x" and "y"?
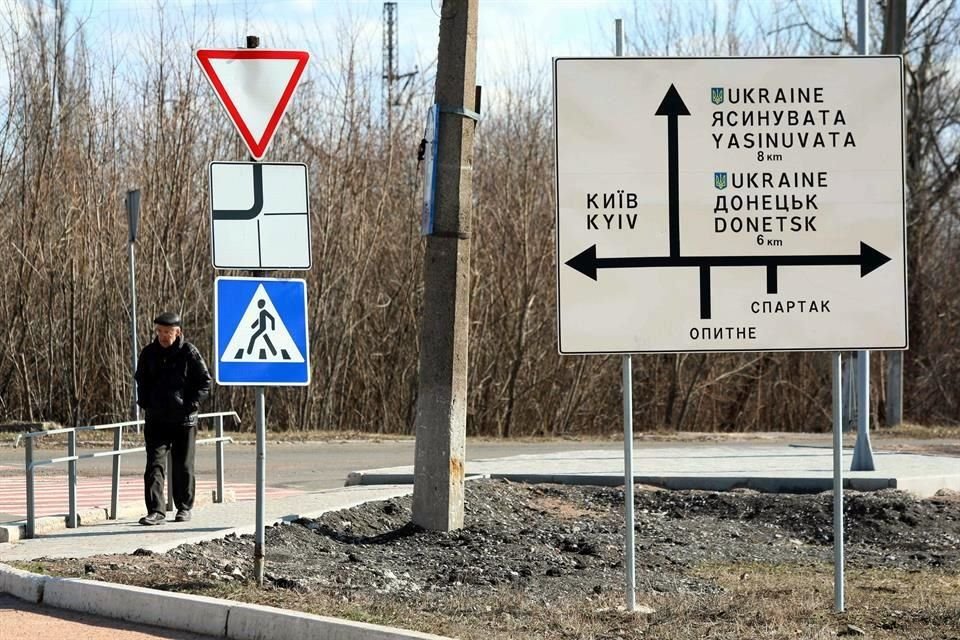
{"x": 919, "y": 431}
{"x": 796, "y": 601}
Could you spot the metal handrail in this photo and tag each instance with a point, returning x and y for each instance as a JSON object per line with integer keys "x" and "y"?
{"x": 72, "y": 458}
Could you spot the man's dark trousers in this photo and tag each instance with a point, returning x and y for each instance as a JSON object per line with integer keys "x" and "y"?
{"x": 181, "y": 441}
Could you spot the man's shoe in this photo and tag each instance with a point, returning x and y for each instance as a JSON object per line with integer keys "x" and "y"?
{"x": 153, "y": 518}
{"x": 183, "y": 515}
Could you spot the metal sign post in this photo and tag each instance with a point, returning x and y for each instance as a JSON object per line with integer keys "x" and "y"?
{"x": 862, "y": 451}
{"x": 133, "y": 222}
{"x": 259, "y": 553}
{"x": 629, "y": 540}
{"x": 837, "y": 483}
{"x": 260, "y": 219}
{"x": 730, "y": 205}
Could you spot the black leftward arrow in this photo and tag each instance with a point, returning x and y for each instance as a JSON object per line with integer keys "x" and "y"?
{"x": 587, "y": 261}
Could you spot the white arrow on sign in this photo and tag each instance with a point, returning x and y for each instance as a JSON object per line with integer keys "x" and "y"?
{"x": 254, "y": 86}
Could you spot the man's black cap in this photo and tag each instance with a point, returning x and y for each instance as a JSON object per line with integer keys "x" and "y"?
{"x": 168, "y": 318}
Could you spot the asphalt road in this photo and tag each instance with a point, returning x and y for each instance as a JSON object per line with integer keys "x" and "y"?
{"x": 301, "y": 465}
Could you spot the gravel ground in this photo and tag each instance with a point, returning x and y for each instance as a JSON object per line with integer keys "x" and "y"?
{"x": 530, "y": 556}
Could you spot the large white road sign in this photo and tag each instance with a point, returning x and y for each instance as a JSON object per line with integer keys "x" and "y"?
{"x": 730, "y": 204}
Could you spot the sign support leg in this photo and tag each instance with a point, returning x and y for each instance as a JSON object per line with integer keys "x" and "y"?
{"x": 629, "y": 541}
{"x": 258, "y": 547}
{"x": 862, "y": 450}
{"x": 837, "y": 485}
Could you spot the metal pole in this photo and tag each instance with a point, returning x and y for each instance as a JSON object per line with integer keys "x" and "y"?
{"x": 848, "y": 389}
{"x": 115, "y": 479}
{"x": 258, "y": 547}
{"x": 629, "y": 541}
{"x": 837, "y": 486}
{"x": 863, "y": 25}
{"x": 133, "y": 219}
{"x": 618, "y": 25}
{"x": 894, "y": 32}
{"x": 135, "y": 408}
{"x": 170, "y": 479}
{"x": 28, "y": 470}
{"x": 894, "y": 388}
{"x": 72, "y": 479}
{"x": 219, "y": 427}
{"x": 862, "y": 453}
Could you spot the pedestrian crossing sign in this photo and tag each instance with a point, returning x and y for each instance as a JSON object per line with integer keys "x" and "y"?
{"x": 260, "y": 332}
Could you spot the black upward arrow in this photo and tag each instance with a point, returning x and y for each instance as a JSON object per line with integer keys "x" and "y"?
{"x": 672, "y": 106}
{"x": 587, "y": 261}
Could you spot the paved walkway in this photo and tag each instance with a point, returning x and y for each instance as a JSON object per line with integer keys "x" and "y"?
{"x": 51, "y": 493}
{"x": 776, "y": 468}
{"x": 209, "y": 522}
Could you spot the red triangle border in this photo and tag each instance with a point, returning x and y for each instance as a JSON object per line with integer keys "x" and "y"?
{"x": 257, "y": 148}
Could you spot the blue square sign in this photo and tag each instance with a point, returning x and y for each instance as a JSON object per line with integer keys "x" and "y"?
{"x": 260, "y": 332}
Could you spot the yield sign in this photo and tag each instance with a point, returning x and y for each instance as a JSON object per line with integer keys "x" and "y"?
{"x": 255, "y": 87}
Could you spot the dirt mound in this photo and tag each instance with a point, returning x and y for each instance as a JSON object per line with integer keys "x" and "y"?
{"x": 529, "y": 549}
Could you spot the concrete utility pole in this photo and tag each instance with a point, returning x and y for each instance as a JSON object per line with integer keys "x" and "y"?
{"x": 442, "y": 396}
{"x": 894, "y": 33}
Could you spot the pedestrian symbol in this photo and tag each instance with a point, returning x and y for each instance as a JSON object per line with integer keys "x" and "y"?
{"x": 261, "y": 331}
{"x": 261, "y": 335}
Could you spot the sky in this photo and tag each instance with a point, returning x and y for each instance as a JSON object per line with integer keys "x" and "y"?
{"x": 516, "y": 38}
{"x": 510, "y": 31}
{"x": 563, "y": 26}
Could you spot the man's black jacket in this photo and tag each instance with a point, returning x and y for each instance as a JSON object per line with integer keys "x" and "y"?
{"x": 172, "y": 382}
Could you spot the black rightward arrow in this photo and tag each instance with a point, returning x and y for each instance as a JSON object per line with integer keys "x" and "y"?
{"x": 587, "y": 261}
{"x": 672, "y": 106}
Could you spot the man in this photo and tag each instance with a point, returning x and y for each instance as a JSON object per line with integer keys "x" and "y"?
{"x": 172, "y": 381}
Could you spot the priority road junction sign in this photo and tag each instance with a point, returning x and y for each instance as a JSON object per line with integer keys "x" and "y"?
{"x": 259, "y": 215}
{"x": 730, "y": 204}
{"x": 261, "y": 332}
{"x": 254, "y": 86}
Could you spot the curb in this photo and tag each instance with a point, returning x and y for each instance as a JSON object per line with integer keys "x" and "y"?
{"x": 371, "y": 478}
{"x": 197, "y": 614}
{"x": 17, "y": 530}
{"x": 21, "y": 584}
{"x": 919, "y": 487}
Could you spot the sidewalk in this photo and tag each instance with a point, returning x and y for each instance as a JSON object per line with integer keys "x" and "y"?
{"x": 208, "y": 523}
{"x": 771, "y": 468}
